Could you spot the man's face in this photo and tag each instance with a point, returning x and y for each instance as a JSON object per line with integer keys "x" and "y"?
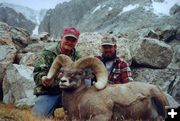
{"x": 108, "y": 50}
{"x": 68, "y": 43}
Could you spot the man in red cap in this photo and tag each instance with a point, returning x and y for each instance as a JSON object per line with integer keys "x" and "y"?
{"x": 48, "y": 94}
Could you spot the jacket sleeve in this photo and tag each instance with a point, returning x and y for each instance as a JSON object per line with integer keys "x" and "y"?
{"x": 43, "y": 65}
{"x": 126, "y": 74}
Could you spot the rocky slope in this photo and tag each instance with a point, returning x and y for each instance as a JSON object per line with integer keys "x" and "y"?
{"x": 152, "y": 60}
{"x": 131, "y": 17}
{"x": 147, "y": 39}
{"x": 11, "y": 17}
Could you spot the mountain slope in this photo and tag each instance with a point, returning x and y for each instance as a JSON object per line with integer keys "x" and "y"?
{"x": 12, "y": 18}
{"x": 131, "y": 17}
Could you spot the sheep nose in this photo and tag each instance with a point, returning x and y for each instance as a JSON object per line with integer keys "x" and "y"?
{"x": 63, "y": 81}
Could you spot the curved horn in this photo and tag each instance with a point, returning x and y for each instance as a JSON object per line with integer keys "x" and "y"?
{"x": 60, "y": 60}
{"x": 98, "y": 68}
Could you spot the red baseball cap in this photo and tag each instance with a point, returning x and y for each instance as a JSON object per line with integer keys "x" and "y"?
{"x": 71, "y": 32}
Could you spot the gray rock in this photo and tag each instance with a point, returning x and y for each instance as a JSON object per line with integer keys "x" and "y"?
{"x": 12, "y": 18}
{"x": 18, "y": 85}
{"x": 175, "y": 63}
{"x": 90, "y": 44}
{"x": 160, "y": 77}
{"x": 174, "y": 88}
{"x": 36, "y": 47}
{"x": 152, "y": 53}
{"x": 132, "y": 17}
{"x": 29, "y": 59}
{"x": 20, "y": 37}
{"x": 172, "y": 101}
{"x": 7, "y": 56}
{"x": 5, "y": 38}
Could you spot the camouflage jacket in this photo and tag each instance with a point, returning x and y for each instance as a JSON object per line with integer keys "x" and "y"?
{"x": 42, "y": 67}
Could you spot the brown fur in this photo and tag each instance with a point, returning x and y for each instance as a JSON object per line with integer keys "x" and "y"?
{"x": 122, "y": 101}
{"x": 133, "y": 100}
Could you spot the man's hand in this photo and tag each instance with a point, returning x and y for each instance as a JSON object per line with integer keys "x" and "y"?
{"x": 46, "y": 81}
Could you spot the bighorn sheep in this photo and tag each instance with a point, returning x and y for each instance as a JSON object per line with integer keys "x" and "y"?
{"x": 133, "y": 100}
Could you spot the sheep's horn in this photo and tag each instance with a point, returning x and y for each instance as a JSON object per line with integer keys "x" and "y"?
{"x": 98, "y": 68}
{"x": 60, "y": 60}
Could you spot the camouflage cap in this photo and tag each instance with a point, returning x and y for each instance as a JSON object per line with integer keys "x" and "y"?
{"x": 108, "y": 40}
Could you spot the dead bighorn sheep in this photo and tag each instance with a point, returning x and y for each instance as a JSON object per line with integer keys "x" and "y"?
{"x": 133, "y": 100}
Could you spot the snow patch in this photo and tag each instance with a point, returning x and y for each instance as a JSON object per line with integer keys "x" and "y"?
{"x": 110, "y": 8}
{"x": 129, "y": 8}
{"x": 162, "y": 8}
{"x": 97, "y": 8}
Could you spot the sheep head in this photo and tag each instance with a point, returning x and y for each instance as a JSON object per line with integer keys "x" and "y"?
{"x": 72, "y": 73}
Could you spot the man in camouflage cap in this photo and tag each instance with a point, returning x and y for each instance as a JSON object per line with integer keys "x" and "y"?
{"x": 118, "y": 69}
{"x": 49, "y": 94}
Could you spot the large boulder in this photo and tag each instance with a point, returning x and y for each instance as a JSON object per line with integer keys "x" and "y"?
{"x": 18, "y": 85}
{"x": 152, "y": 53}
{"x": 18, "y": 37}
{"x": 36, "y": 47}
{"x": 5, "y": 38}
{"x": 29, "y": 59}
{"x": 160, "y": 77}
{"x": 7, "y": 56}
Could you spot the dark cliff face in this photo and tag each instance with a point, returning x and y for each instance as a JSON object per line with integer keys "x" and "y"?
{"x": 66, "y": 14}
{"x": 12, "y": 18}
{"x": 131, "y": 17}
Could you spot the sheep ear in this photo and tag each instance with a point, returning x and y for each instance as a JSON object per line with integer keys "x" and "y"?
{"x": 98, "y": 68}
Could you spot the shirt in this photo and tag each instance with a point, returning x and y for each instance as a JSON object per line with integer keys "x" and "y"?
{"x": 120, "y": 72}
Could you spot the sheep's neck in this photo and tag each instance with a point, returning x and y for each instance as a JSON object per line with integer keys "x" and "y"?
{"x": 70, "y": 99}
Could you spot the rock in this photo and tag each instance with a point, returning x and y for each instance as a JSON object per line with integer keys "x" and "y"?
{"x": 174, "y": 88}
{"x": 89, "y": 43}
{"x": 175, "y": 63}
{"x": 29, "y": 59}
{"x": 36, "y": 47}
{"x": 152, "y": 53}
{"x": 167, "y": 34}
{"x": 44, "y": 36}
{"x": 177, "y": 53}
{"x": 178, "y": 34}
{"x": 172, "y": 101}
{"x": 175, "y": 9}
{"x": 7, "y": 56}
{"x": 159, "y": 1}
{"x": 131, "y": 17}
{"x": 34, "y": 39}
{"x": 160, "y": 77}
{"x": 5, "y": 38}
{"x": 20, "y": 37}
{"x": 153, "y": 34}
{"x": 18, "y": 85}
{"x": 123, "y": 49}
{"x": 12, "y": 18}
